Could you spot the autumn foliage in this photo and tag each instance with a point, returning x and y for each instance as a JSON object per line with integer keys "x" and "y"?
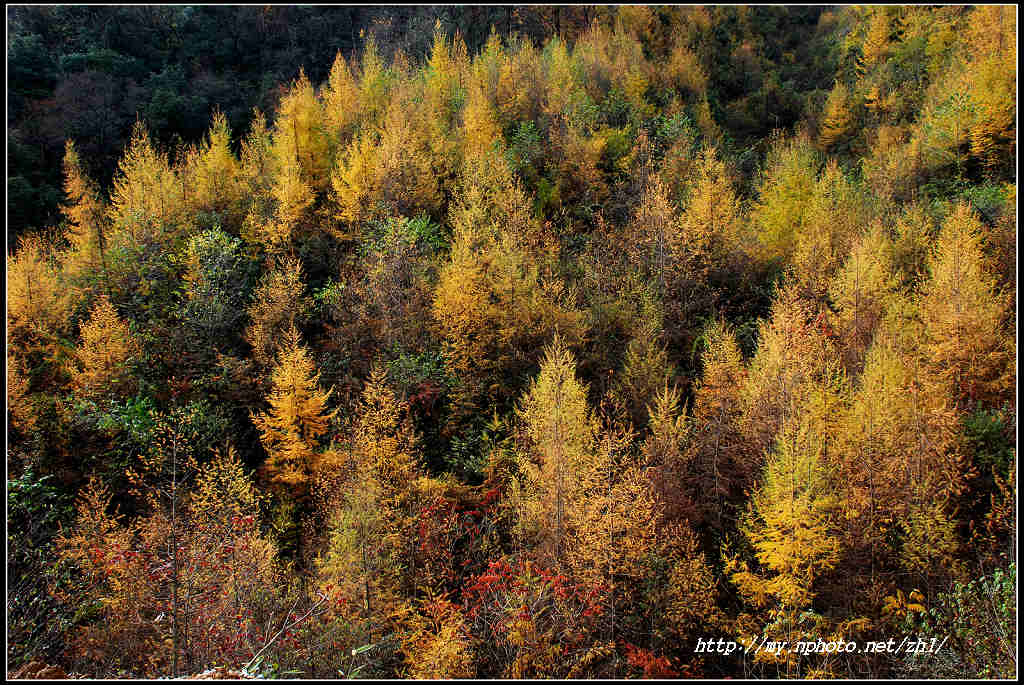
{"x": 512, "y": 358}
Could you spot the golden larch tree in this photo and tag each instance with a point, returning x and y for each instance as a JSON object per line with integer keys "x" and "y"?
{"x": 837, "y": 121}
{"x": 86, "y": 214}
{"x": 147, "y": 193}
{"x": 781, "y": 212}
{"x": 720, "y": 465}
{"x": 342, "y": 110}
{"x": 216, "y": 174}
{"x": 563, "y": 450}
{"x": 300, "y": 136}
{"x": 104, "y": 356}
{"x": 966, "y": 347}
{"x": 861, "y": 292}
{"x": 276, "y": 304}
{"x": 37, "y": 305}
{"x": 297, "y": 419}
{"x": 369, "y": 495}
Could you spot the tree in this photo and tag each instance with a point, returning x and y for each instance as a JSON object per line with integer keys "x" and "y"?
{"x": 991, "y": 78}
{"x": 792, "y": 356}
{"x": 21, "y": 412}
{"x": 289, "y": 198}
{"x": 105, "y": 354}
{"x": 301, "y": 145}
{"x": 861, "y": 292}
{"x": 837, "y": 123}
{"x": 498, "y": 297}
{"x": 481, "y": 130}
{"x": 897, "y": 454}
{"x": 720, "y": 465}
{"x": 255, "y": 163}
{"x": 562, "y": 456}
{"x": 146, "y": 194}
{"x": 791, "y": 528}
{"x": 216, "y": 175}
{"x": 645, "y": 370}
{"x": 964, "y": 345}
{"x": 836, "y": 213}
{"x": 389, "y": 168}
{"x": 298, "y": 417}
{"x": 369, "y": 497}
{"x": 876, "y": 45}
{"x": 37, "y": 306}
{"x": 706, "y": 249}
{"x": 86, "y": 215}
{"x": 437, "y": 643}
{"x": 242, "y": 579}
{"x": 664, "y": 450}
{"x": 781, "y": 212}
{"x": 186, "y": 585}
{"x": 342, "y": 112}
{"x": 653, "y": 235}
{"x": 277, "y": 303}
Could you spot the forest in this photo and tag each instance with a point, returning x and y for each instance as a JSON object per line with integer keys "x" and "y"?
{"x": 511, "y": 342}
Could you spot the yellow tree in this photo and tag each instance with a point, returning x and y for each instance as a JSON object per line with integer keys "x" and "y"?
{"x": 897, "y": 454}
{"x": 256, "y": 164}
{"x": 37, "y": 306}
{"x": 562, "y": 83}
{"x": 444, "y": 77}
{"x": 118, "y": 583}
{"x": 107, "y": 349}
{"x": 792, "y": 529}
{"x": 499, "y": 297}
{"x": 781, "y": 212}
{"x": 341, "y": 104}
{"x": 437, "y": 643}
{"x": 990, "y": 78}
{"x": 664, "y": 450}
{"x": 391, "y": 167}
{"x": 298, "y": 417}
{"x": 913, "y": 236}
{"x": 652, "y": 234}
{"x": 189, "y": 582}
{"x": 585, "y": 505}
{"x": 792, "y": 520}
{"x": 837, "y": 121}
{"x": 706, "y": 249}
{"x": 563, "y": 452}
{"x": 300, "y": 137}
{"x": 711, "y": 219}
{"x": 481, "y": 131}
{"x": 645, "y": 369}
{"x": 217, "y": 177}
{"x": 493, "y": 309}
{"x": 685, "y": 72}
{"x": 875, "y": 48}
{"x": 22, "y": 413}
{"x": 370, "y": 496}
{"x": 836, "y": 214}
{"x": 966, "y": 347}
{"x": 375, "y": 81}
{"x": 720, "y": 465}
{"x": 861, "y": 292}
{"x": 86, "y": 215}
{"x": 289, "y": 197}
{"x": 792, "y": 355}
{"x": 145, "y": 190}
{"x": 276, "y": 304}
{"x": 240, "y": 581}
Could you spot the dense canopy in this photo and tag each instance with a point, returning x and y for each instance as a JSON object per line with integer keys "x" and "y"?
{"x": 511, "y": 342}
